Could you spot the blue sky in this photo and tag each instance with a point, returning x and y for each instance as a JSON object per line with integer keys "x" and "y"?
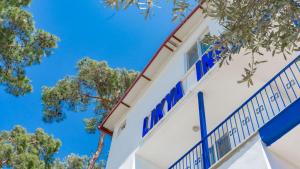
{"x": 86, "y": 28}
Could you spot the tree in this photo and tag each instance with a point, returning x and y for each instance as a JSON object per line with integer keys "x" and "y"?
{"x": 255, "y": 26}
{"x": 74, "y": 161}
{"x": 96, "y": 86}
{"x": 98, "y": 152}
{"x": 21, "y": 150}
{"x": 21, "y": 46}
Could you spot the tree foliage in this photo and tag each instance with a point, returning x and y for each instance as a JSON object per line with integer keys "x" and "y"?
{"x": 21, "y": 45}
{"x": 22, "y": 150}
{"x": 256, "y": 26}
{"x": 96, "y": 86}
{"x": 74, "y": 161}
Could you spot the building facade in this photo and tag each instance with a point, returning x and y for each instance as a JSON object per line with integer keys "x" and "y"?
{"x": 184, "y": 111}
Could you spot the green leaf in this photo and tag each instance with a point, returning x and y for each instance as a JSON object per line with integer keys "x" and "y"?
{"x": 96, "y": 85}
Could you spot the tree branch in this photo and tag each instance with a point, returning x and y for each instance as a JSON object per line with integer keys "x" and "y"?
{"x": 97, "y": 97}
{"x": 104, "y": 101}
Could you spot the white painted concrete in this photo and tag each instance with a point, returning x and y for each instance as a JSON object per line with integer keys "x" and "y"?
{"x": 141, "y": 163}
{"x": 128, "y": 163}
{"x": 173, "y": 135}
{"x": 255, "y": 155}
{"x": 249, "y": 156}
{"x": 278, "y": 162}
{"x": 131, "y": 137}
{"x": 288, "y": 147}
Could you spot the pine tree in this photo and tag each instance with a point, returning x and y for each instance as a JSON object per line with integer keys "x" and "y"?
{"x": 21, "y": 45}
{"x": 96, "y": 85}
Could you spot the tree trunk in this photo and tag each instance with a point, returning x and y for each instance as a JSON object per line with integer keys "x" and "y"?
{"x": 98, "y": 151}
{"x": 2, "y": 163}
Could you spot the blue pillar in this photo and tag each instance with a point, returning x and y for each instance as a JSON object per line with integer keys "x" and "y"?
{"x": 203, "y": 130}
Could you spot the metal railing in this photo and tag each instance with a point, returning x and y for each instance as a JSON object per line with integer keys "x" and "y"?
{"x": 275, "y": 96}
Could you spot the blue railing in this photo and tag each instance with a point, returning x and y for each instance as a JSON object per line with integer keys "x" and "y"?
{"x": 265, "y": 104}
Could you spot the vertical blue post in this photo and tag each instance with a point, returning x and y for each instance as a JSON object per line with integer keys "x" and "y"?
{"x": 203, "y": 130}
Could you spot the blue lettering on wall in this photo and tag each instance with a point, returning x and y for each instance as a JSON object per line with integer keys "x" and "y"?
{"x": 145, "y": 126}
{"x": 207, "y": 62}
{"x": 158, "y": 112}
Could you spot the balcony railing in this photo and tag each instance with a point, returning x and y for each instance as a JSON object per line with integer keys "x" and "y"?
{"x": 275, "y": 96}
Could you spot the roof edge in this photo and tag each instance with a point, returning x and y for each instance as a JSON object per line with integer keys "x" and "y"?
{"x": 105, "y": 130}
{"x": 101, "y": 126}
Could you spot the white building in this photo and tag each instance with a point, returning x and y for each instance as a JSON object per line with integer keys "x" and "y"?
{"x": 185, "y": 112}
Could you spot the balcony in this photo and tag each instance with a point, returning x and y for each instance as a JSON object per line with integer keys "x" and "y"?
{"x": 273, "y": 99}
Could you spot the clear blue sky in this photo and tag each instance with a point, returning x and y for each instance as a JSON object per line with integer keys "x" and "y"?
{"x": 86, "y": 28}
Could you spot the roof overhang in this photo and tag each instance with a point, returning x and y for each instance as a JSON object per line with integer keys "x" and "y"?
{"x": 152, "y": 68}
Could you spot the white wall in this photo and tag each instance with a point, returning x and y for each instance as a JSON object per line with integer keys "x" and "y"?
{"x": 128, "y": 162}
{"x": 141, "y": 163}
{"x": 277, "y": 162}
{"x": 254, "y": 155}
{"x": 128, "y": 141}
{"x": 249, "y": 156}
{"x": 219, "y": 87}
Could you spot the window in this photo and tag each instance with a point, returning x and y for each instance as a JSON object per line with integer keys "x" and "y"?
{"x": 211, "y": 151}
{"x": 203, "y": 47}
{"x": 195, "y": 52}
{"x": 192, "y": 56}
{"x": 223, "y": 145}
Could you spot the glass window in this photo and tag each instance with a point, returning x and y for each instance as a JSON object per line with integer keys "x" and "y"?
{"x": 195, "y": 52}
{"x": 211, "y": 151}
{"x": 223, "y": 145}
{"x": 192, "y": 56}
{"x": 203, "y": 47}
